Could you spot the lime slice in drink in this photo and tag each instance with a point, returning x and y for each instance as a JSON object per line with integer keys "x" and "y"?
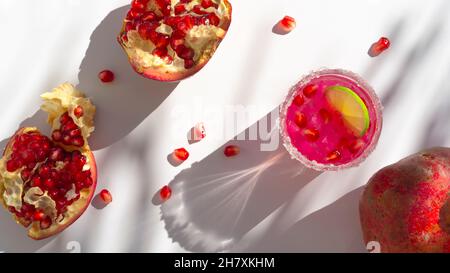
{"x": 351, "y": 106}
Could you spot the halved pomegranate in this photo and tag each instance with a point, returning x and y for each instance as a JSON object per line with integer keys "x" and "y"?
{"x": 47, "y": 183}
{"x": 170, "y": 40}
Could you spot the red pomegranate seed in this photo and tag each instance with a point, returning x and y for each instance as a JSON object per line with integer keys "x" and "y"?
{"x": 333, "y": 156}
{"x": 25, "y": 174}
{"x": 186, "y": 53}
{"x": 311, "y": 134}
{"x": 138, "y": 4}
{"x": 325, "y": 115}
{"x": 213, "y": 19}
{"x": 300, "y": 120}
{"x": 149, "y": 16}
{"x": 379, "y": 47}
{"x": 69, "y": 126}
{"x": 66, "y": 140}
{"x": 188, "y": 64}
{"x": 147, "y": 31}
{"x": 231, "y": 150}
{"x": 124, "y": 37}
{"x": 198, "y": 9}
{"x": 287, "y": 23}
{"x": 65, "y": 118}
{"x": 310, "y": 90}
{"x": 12, "y": 165}
{"x": 106, "y": 196}
{"x": 130, "y": 26}
{"x": 106, "y": 76}
{"x": 165, "y": 193}
{"x": 180, "y": 8}
{"x": 36, "y": 182}
{"x": 134, "y": 14}
{"x": 78, "y": 111}
{"x": 209, "y": 3}
{"x": 160, "y": 52}
{"x": 299, "y": 100}
{"x": 49, "y": 183}
{"x": 75, "y": 133}
{"x": 38, "y": 215}
{"x": 162, "y": 41}
{"x": 181, "y": 154}
{"x": 78, "y": 141}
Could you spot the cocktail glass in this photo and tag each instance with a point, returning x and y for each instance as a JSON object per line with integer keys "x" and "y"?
{"x": 331, "y": 120}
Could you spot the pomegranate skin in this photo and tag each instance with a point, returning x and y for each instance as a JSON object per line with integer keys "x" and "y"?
{"x": 176, "y": 76}
{"x": 44, "y": 234}
{"x": 406, "y": 206}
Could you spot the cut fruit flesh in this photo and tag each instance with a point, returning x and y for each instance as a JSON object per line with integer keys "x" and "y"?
{"x": 172, "y": 40}
{"x": 352, "y": 108}
{"x": 40, "y": 176}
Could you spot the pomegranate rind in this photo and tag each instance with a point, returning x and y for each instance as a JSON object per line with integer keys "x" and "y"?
{"x": 60, "y": 100}
{"x": 162, "y": 72}
{"x": 65, "y": 98}
{"x": 405, "y": 206}
{"x": 74, "y": 211}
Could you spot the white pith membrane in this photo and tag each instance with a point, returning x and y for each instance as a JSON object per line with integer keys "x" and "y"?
{"x": 203, "y": 39}
{"x": 60, "y": 100}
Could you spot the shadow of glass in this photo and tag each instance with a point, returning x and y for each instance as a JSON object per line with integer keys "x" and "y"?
{"x": 115, "y": 118}
{"x": 334, "y": 228}
{"x": 218, "y": 200}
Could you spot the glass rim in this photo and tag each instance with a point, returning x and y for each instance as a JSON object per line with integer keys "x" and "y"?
{"x": 304, "y": 80}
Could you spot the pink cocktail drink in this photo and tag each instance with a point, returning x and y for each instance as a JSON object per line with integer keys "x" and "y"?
{"x": 331, "y": 120}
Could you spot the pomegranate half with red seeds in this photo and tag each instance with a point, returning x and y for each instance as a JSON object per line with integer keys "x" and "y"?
{"x": 171, "y": 40}
{"x": 406, "y": 206}
{"x": 47, "y": 183}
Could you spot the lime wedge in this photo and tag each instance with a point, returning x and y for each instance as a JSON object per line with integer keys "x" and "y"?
{"x": 351, "y": 106}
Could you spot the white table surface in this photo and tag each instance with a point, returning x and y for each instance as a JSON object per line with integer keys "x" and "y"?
{"x": 259, "y": 201}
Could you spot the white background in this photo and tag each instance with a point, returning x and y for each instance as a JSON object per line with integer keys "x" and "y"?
{"x": 257, "y": 201}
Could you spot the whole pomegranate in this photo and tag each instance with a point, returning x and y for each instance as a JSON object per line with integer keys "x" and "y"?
{"x": 47, "y": 183}
{"x": 406, "y": 206}
{"x": 170, "y": 40}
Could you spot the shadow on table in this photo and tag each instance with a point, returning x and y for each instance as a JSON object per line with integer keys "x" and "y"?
{"x": 218, "y": 200}
{"x": 114, "y": 119}
{"x": 123, "y": 104}
{"x": 334, "y": 228}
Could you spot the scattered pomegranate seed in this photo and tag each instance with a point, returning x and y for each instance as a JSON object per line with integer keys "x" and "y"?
{"x": 78, "y": 111}
{"x": 287, "y": 24}
{"x": 333, "y": 156}
{"x": 106, "y": 76}
{"x": 165, "y": 193}
{"x": 311, "y": 134}
{"x": 181, "y": 154}
{"x": 300, "y": 120}
{"x": 106, "y": 196}
{"x": 299, "y": 100}
{"x": 231, "y": 150}
{"x": 199, "y": 131}
{"x": 310, "y": 90}
{"x": 381, "y": 45}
